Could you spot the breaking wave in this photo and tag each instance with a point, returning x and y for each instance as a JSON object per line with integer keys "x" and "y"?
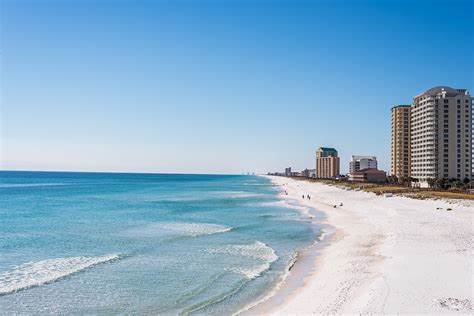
{"x": 239, "y": 194}
{"x": 195, "y": 229}
{"x": 37, "y": 273}
{"x": 258, "y": 250}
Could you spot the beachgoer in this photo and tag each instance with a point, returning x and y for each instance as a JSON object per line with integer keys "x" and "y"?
{"x": 302, "y": 196}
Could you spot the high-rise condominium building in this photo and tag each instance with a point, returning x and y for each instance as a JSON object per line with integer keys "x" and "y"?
{"x": 327, "y": 163}
{"x": 441, "y": 134}
{"x": 400, "y": 166}
{"x": 358, "y": 163}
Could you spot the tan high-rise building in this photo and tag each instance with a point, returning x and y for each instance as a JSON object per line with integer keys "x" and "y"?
{"x": 441, "y": 134}
{"x": 400, "y": 166}
{"x": 327, "y": 163}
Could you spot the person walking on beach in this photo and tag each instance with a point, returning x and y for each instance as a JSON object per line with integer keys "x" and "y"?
{"x": 302, "y": 196}
{"x": 309, "y": 198}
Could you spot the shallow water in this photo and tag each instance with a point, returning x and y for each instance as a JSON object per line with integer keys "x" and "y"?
{"x": 142, "y": 243}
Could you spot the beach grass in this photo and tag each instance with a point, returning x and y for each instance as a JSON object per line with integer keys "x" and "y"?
{"x": 439, "y": 195}
{"x": 414, "y": 193}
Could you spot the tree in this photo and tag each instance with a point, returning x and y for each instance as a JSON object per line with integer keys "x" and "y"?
{"x": 409, "y": 181}
{"x": 431, "y": 182}
{"x": 440, "y": 183}
{"x": 405, "y": 181}
{"x": 393, "y": 179}
{"x": 457, "y": 184}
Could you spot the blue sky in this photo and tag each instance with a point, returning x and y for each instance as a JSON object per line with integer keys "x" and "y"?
{"x": 218, "y": 86}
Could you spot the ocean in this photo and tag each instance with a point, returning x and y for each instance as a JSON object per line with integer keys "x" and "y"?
{"x": 111, "y": 243}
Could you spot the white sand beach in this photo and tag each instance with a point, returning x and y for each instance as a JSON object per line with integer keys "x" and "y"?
{"x": 386, "y": 255}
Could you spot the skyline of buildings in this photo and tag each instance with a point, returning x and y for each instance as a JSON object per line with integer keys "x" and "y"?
{"x": 431, "y": 138}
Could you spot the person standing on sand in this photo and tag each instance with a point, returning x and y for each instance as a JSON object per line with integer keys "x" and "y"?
{"x": 302, "y": 196}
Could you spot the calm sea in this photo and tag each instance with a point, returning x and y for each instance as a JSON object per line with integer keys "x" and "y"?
{"x": 103, "y": 243}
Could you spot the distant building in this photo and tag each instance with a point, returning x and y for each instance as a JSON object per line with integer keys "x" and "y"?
{"x": 368, "y": 175}
{"x": 327, "y": 163}
{"x": 308, "y": 173}
{"x": 400, "y": 141}
{"x": 441, "y": 134}
{"x": 342, "y": 178}
{"x": 362, "y": 162}
{"x": 288, "y": 172}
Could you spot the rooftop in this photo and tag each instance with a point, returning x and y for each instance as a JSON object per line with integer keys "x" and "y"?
{"x": 401, "y": 106}
{"x": 327, "y": 149}
{"x": 440, "y": 89}
{"x": 356, "y": 157}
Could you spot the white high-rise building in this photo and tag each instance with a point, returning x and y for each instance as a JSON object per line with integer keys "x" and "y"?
{"x": 358, "y": 163}
{"x": 441, "y": 134}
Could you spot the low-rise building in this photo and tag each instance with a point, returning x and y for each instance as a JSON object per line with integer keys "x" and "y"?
{"x": 362, "y": 162}
{"x": 372, "y": 175}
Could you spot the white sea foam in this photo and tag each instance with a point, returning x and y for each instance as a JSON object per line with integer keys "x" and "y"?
{"x": 275, "y": 203}
{"x": 252, "y": 272}
{"x": 282, "y": 203}
{"x": 257, "y": 250}
{"x": 322, "y": 236}
{"x": 33, "y": 274}
{"x": 275, "y": 289}
{"x": 239, "y": 194}
{"x": 195, "y": 229}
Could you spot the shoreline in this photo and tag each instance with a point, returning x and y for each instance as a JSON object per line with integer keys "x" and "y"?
{"x": 294, "y": 274}
{"x": 380, "y": 256}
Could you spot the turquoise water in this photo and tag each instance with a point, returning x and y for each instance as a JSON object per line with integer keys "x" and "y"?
{"x": 101, "y": 243}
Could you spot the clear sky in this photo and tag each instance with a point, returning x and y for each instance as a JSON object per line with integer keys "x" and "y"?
{"x": 218, "y": 86}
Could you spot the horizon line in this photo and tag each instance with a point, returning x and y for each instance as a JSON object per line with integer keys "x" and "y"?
{"x": 128, "y": 172}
